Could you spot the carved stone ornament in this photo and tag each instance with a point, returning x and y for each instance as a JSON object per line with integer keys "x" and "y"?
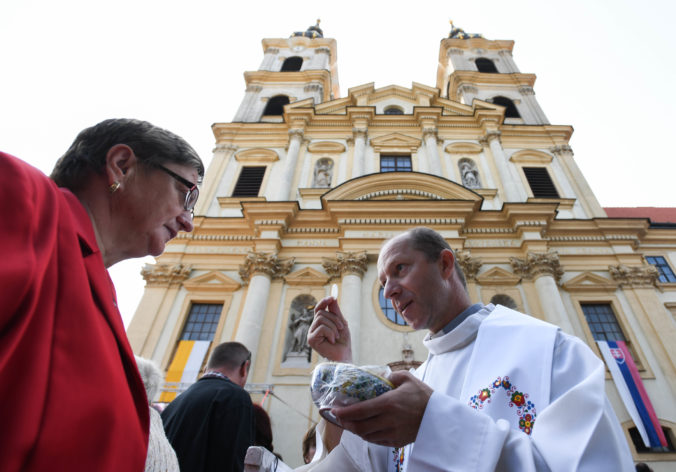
{"x": 326, "y": 51}
{"x": 468, "y": 89}
{"x": 561, "y": 149}
{"x": 634, "y": 276}
{"x": 470, "y": 265}
{"x": 272, "y": 51}
{"x": 527, "y": 90}
{"x": 296, "y": 133}
{"x": 346, "y": 263}
{"x": 261, "y": 262}
{"x": 225, "y": 148}
{"x": 165, "y": 274}
{"x": 429, "y": 132}
{"x": 538, "y": 264}
{"x": 493, "y": 134}
{"x": 254, "y": 88}
{"x": 359, "y": 133}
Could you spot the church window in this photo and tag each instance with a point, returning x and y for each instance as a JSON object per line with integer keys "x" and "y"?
{"x": 249, "y": 182}
{"x": 485, "y": 65}
{"x": 388, "y": 310}
{"x": 292, "y": 64}
{"x": 666, "y": 274}
{"x": 511, "y": 111}
{"x": 275, "y": 106}
{"x": 540, "y": 182}
{"x": 602, "y": 322}
{"x": 392, "y": 110}
{"x": 504, "y": 300}
{"x": 642, "y": 448}
{"x": 390, "y": 163}
{"x": 202, "y": 322}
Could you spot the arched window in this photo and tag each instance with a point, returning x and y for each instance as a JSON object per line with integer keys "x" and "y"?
{"x": 388, "y": 310}
{"x": 485, "y": 65}
{"x": 392, "y": 110}
{"x": 292, "y": 64}
{"x": 511, "y": 111}
{"x": 275, "y": 105}
{"x": 469, "y": 173}
{"x": 504, "y": 300}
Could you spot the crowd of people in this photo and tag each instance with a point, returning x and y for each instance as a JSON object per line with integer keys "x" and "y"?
{"x": 499, "y": 390}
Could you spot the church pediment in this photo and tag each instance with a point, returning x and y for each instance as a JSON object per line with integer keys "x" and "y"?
{"x": 498, "y": 276}
{"x": 395, "y": 140}
{"x": 212, "y": 282}
{"x": 590, "y": 282}
{"x": 401, "y": 186}
{"x": 307, "y": 276}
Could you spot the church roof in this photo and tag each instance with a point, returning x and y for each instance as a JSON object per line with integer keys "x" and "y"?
{"x": 312, "y": 32}
{"x": 655, "y": 214}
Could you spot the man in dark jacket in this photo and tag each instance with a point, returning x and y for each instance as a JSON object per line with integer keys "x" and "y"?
{"x": 211, "y": 424}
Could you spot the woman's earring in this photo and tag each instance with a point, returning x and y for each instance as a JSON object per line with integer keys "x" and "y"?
{"x": 114, "y": 186}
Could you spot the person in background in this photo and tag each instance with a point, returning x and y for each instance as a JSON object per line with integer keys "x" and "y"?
{"x": 161, "y": 456}
{"x": 211, "y": 424}
{"x": 71, "y": 397}
{"x": 309, "y": 444}
{"x": 499, "y": 390}
{"x": 263, "y": 435}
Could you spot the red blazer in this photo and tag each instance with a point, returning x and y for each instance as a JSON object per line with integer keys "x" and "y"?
{"x": 71, "y": 397}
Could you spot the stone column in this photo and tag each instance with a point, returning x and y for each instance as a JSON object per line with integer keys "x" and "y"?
{"x": 286, "y": 179}
{"x": 546, "y": 270}
{"x": 512, "y": 193}
{"x": 508, "y": 60}
{"x": 350, "y": 267}
{"x": 322, "y": 55}
{"x": 360, "y": 135}
{"x": 528, "y": 95}
{"x": 269, "y": 59}
{"x": 583, "y": 191}
{"x": 430, "y": 138}
{"x": 218, "y": 180}
{"x": 248, "y": 109}
{"x": 258, "y": 271}
{"x": 468, "y": 93}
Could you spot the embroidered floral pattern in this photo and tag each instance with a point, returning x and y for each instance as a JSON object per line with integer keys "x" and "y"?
{"x": 525, "y": 409}
{"x": 398, "y": 458}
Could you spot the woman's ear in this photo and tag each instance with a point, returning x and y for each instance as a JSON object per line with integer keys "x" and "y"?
{"x": 119, "y": 160}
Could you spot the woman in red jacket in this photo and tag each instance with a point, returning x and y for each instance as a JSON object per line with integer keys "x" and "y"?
{"x": 71, "y": 397}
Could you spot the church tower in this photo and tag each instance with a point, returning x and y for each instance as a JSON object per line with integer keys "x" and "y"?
{"x": 293, "y": 69}
{"x": 305, "y": 186}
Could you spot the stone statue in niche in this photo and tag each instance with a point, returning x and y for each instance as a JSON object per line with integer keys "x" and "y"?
{"x": 323, "y": 173}
{"x": 300, "y": 317}
{"x": 469, "y": 173}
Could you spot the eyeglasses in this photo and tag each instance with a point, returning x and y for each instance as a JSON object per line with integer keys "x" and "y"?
{"x": 193, "y": 192}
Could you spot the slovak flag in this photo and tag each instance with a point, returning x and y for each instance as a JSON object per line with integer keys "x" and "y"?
{"x": 633, "y": 394}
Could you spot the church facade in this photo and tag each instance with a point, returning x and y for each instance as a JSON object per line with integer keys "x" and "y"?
{"x": 305, "y": 186}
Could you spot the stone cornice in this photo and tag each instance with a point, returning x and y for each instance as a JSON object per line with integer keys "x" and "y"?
{"x": 264, "y": 263}
{"x": 165, "y": 274}
{"x": 634, "y": 276}
{"x": 470, "y": 265}
{"x": 346, "y": 263}
{"x": 537, "y": 264}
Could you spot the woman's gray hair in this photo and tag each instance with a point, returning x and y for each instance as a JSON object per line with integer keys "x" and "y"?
{"x": 151, "y": 375}
{"x": 152, "y": 145}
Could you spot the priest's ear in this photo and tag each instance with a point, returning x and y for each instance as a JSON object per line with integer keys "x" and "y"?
{"x": 447, "y": 263}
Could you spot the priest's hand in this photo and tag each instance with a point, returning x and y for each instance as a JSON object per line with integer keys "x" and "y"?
{"x": 393, "y": 418}
{"x": 329, "y": 334}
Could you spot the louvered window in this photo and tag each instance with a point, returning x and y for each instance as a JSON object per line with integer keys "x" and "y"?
{"x": 249, "y": 182}
{"x": 395, "y": 163}
{"x": 540, "y": 182}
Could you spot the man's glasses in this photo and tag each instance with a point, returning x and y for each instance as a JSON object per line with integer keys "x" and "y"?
{"x": 193, "y": 192}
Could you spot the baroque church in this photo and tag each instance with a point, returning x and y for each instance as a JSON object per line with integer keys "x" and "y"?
{"x": 305, "y": 186}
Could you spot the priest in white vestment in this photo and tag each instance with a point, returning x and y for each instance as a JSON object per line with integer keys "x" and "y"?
{"x": 499, "y": 390}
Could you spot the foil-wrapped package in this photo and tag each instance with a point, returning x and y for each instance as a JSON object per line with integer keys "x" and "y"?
{"x": 339, "y": 384}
